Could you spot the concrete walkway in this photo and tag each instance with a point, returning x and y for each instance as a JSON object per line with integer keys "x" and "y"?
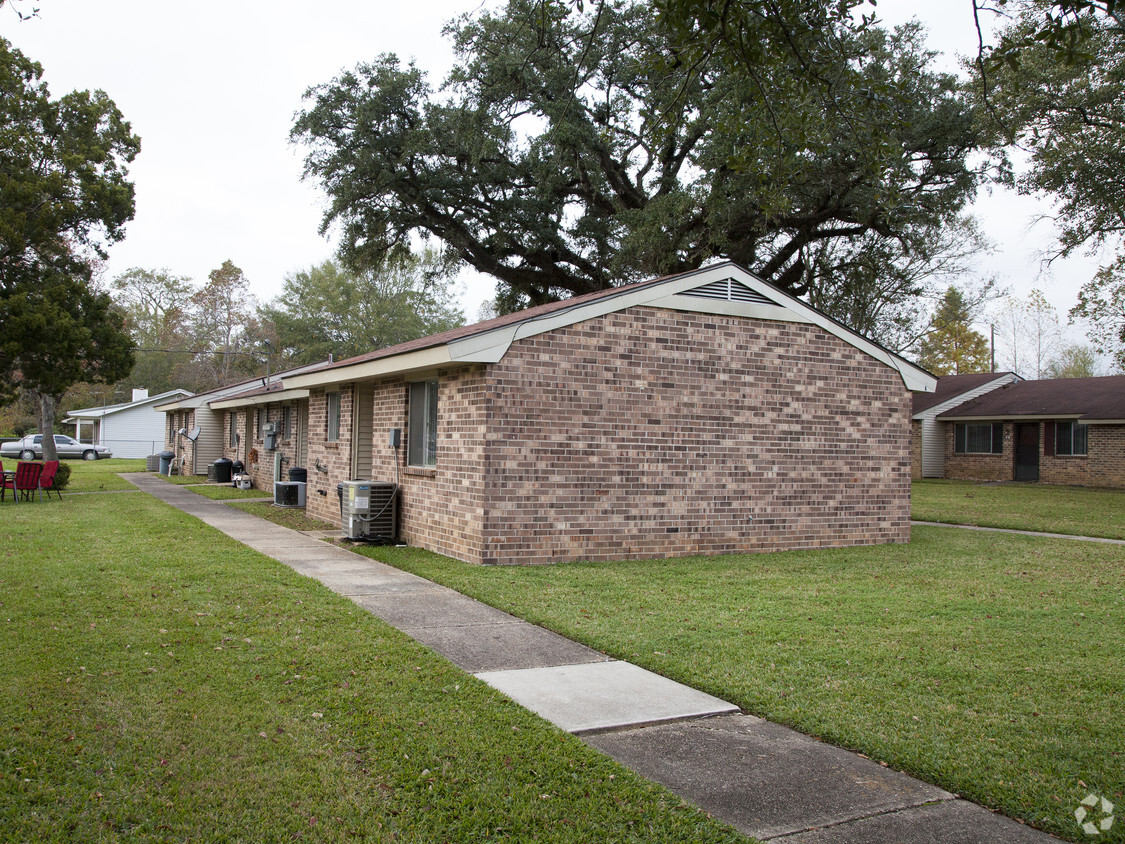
{"x": 767, "y": 781}
{"x": 1023, "y": 532}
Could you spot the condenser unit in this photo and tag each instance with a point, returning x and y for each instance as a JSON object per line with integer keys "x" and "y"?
{"x": 289, "y": 493}
{"x": 368, "y": 510}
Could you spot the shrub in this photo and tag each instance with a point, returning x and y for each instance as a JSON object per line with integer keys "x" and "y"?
{"x": 62, "y": 477}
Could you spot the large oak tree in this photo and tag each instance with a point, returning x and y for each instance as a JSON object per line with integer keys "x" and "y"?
{"x": 570, "y": 151}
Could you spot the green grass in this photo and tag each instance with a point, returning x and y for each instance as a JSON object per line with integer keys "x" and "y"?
{"x": 1051, "y": 509}
{"x": 162, "y": 681}
{"x": 181, "y": 480}
{"x": 101, "y": 475}
{"x": 992, "y": 665}
{"x": 225, "y": 492}
{"x": 293, "y": 518}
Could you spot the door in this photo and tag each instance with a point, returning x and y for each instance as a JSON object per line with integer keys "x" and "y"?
{"x": 363, "y": 413}
{"x": 1027, "y": 451}
{"x": 302, "y": 432}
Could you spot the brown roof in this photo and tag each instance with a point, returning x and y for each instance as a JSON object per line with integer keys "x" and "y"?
{"x": 951, "y": 386}
{"x": 1086, "y": 398}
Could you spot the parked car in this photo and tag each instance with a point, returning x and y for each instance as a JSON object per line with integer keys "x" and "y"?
{"x": 31, "y": 448}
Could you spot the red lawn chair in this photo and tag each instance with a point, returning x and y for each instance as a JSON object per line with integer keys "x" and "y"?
{"x": 47, "y": 479}
{"x": 24, "y": 483}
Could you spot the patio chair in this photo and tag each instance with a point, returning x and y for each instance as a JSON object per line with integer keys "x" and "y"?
{"x": 47, "y": 480}
{"x": 24, "y": 483}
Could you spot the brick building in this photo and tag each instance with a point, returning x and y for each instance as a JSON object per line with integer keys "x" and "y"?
{"x": 927, "y": 432}
{"x": 701, "y": 413}
{"x": 1064, "y": 431}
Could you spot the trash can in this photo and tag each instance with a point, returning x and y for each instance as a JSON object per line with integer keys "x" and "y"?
{"x": 222, "y": 470}
{"x": 297, "y": 473}
{"x": 238, "y": 467}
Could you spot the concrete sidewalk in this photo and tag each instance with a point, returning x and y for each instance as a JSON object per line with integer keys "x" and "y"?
{"x": 767, "y": 781}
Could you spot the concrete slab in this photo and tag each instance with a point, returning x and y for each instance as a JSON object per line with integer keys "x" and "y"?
{"x": 950, "y": 822}
{"x": 431, "y": 606}
{"x": 764, "y": 779}
{"x": 603, "y": 696}
{"x": 503, "y": 647}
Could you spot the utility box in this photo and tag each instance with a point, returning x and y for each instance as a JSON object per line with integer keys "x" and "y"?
{"x": 270, "y": 441}
{"x": 368, "y": 510}
{"x": 289, "y": 494}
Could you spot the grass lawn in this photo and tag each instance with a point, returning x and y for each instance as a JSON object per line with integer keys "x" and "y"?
{"x": 181, "y": 480}
{"x": 167, "y": 682}
{"x": 162, "y": 681}
{"x": 101, "y": 475}
{"x": 992, "y": 665}
{"x": 1052, "y": 509}
{"x": 289, "y": 517}
{"x": 226, "y": 492}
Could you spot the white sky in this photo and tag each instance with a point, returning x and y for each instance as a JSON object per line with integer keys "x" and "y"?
{"x": 212, "y": 91}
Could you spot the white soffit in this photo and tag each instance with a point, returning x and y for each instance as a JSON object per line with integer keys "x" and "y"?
{"x": 260, "y": 399}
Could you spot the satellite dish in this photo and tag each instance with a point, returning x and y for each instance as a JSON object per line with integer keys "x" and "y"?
{"x": 194, "y": 435}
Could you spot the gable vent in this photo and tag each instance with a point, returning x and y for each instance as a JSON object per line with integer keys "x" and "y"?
{"x": 728, "y": 290}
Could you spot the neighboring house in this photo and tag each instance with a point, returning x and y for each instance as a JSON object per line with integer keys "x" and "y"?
{"x": 927, "y": 433}
{"x": 1063, "y": 431}
{"x": 130, "y": 429}
{"x": 214, "y": 438}
{"x": 701, "y": 413}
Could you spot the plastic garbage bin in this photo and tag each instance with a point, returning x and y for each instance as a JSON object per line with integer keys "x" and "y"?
{"x": 296, "y": 473}
{"x": 238, "y": 467}
{"x": 166, "y": 458}
{"x": 223, "y": 470}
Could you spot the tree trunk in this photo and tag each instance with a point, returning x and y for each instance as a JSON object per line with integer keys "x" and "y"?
{"x": 47, "y": 425}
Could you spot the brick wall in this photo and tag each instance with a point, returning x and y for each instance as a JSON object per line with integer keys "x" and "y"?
{"x": 335, "y": 457}
{"x": 915, "y": 450}
{"x": 981, "y": 467}
{"x": 1104, "y": 465}
{"x": 651, "y": 433}
{"x": 182, "y": 446}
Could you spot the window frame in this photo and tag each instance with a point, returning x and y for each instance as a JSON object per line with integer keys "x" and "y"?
{"x": 421, "y": 424}
{"x": 233, "y": 432}
{"x": 1077, "y": 435}
{"x": 332, "y": 416}
{"x": 962, "y": 440}
{"x": 286, "y": 420}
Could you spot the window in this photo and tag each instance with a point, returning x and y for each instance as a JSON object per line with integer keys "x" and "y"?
{"x": 421, "y": 445}
{"x": 333, "y": 433}
{"x": 258, "y": 414}
{"x": 1070, "y": 438}
{"x": 233, "y": 428}
{"x": 978, "y": 438}
{"x": 171, "y": 427}
{"x": 286, "y": 420}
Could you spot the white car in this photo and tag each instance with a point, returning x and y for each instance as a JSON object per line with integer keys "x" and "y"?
{"x": 31, "y": 448}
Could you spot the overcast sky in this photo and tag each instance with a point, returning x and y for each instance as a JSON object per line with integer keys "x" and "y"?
{"x": 212, "y": 89}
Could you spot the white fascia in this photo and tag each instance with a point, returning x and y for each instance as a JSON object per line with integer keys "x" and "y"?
{"x": 263, "y": 398}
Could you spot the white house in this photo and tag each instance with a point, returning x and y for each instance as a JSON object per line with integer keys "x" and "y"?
{"x": 130, "y": 429}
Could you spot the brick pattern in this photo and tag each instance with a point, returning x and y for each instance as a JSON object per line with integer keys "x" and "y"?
{"x": 652, "y": 433}
{"x": 251, "y": 450}
{"x": 1103, "y": 465}
{"x": 335, "y": 457}
{"x": 182, "y": 446}
{"x": 646, "y": 433}
{"x": 915, "y": 450}
{"x": 982, "y": 467}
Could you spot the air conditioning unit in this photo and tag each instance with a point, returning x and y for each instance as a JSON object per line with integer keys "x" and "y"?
{"x": 289, "y": 493}
{"x": 368, "y": 510}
